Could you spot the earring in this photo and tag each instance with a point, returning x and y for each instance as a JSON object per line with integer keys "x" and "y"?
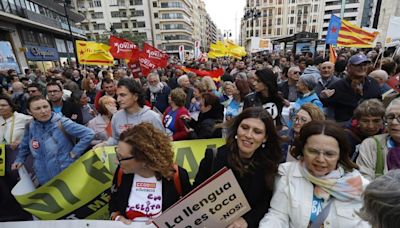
{"x": 263, "y": 145}
{"x": 235, "y": 136}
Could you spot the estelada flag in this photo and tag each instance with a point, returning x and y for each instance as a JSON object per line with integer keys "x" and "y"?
{"x": 92, "y": 53}
{"x": 346, "y": 34}
{"x": 156, "y": 56}
{"x": 121, "y": 48}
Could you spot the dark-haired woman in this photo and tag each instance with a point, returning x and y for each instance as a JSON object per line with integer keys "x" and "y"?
{"x": 146, "y": 182}
{"x": 81, "y": 99}
{"x": 12, "y": 123}
{"x": 253, "y": 153}
{"x": 266, "y": 95}
{"x": 323, "y": 188}
{"x": 131, "y": 100}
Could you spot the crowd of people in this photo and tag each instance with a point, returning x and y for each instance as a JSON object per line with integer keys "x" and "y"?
{"x": 304, "y": 136}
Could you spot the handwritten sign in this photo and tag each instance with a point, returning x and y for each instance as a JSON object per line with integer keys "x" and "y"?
{"x": 216, "y": 203}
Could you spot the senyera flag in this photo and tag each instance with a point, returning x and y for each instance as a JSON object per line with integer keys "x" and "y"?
{"x": 122, "y": 48}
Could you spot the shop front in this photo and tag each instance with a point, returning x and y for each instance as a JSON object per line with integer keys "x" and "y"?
{"x": 41, "y": 57}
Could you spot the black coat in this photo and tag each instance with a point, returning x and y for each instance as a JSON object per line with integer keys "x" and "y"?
{"x": 257, "y": 100}
{"x": 120, "y": 195}
{"x": 345, "y": 100}
{"x": 72, "y": 111}
{"x": 253, "y": 186}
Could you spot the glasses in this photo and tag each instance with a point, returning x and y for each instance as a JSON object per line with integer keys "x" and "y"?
{"x": 53, "y": 91}
{"x": 122, "y": 159}
{"x": 327, "y": 154}
{"x": 300, "y": 119}
{"x": 389, "y": 118}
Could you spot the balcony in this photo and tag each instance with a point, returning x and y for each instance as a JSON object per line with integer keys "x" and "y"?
{"x": 42, "y": 19}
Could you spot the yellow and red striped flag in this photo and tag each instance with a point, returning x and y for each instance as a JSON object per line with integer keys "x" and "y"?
{"x": 346, "y": 34}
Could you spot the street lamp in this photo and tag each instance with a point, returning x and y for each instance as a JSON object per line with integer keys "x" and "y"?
{"x": 227, "y": 33}
{"x": 252, "y": 14}
{"x": 65, "y": 4}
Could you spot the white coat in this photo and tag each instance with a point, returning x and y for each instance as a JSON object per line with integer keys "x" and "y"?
{"x": 291, "y": 203}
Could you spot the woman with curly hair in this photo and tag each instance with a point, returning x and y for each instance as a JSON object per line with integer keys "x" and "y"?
{"x": 145, "y": 183}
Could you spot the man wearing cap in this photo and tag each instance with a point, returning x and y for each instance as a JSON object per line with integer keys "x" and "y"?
{"x": 348, "y": 92}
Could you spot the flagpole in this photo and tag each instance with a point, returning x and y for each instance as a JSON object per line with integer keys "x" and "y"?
{"x": 342, "y": 9}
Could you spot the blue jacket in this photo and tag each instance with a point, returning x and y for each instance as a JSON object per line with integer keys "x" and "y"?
{"x": 51, "y": 149}
{"x": 311, "y": 98}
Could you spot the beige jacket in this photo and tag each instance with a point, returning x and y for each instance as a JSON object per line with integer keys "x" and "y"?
{"x": 367, "y": 157}
{"x": 291, "y": 203}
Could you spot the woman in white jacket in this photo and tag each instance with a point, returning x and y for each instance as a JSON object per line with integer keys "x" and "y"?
{"x": 323, "y": 188}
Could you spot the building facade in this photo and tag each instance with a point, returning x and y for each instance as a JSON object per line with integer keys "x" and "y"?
{"x": 35, "y": 34}
{"x": 281, "y": 18}
{"x": 164, "y": 24}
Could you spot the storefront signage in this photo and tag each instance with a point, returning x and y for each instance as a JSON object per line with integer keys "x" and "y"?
{"x": 38, "y": 53}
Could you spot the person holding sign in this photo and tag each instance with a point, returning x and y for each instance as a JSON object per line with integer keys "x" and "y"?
{"x": 253, "y": 153}
{"x": 50, "y": 139}
{"x": 323, "y": 188}
{"x": 146, "y": 181}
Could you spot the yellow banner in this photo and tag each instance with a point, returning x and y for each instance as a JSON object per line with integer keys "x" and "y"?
{"x": 92, "y": 53}
{"x": 2, "y": 159}
{"x": 82, "y": 190}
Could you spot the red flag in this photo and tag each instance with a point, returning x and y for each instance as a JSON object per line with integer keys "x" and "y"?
{"x": 121, "y": 48}
{"x": 215, "y": 74}
{"x": 156, "y": 56}
{"x": 394, "y": 82}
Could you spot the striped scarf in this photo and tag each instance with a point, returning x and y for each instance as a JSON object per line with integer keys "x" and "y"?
{"x": 344, "y": 186}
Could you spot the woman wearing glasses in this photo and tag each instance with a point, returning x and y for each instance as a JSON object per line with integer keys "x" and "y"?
{"x": 307, "y": 113}
{"x": 381, "y": 153}
{"x": 323, "y": 188}
{"x": 146, "y": 182}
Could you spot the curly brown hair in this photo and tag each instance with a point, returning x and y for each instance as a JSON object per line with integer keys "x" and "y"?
{"x": 151, "y": 146}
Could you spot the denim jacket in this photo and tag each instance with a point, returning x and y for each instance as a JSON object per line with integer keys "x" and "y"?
{"x": 51, "y": 149}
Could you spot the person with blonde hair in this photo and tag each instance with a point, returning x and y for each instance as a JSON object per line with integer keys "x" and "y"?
{"x": 101, "y": 124}
{"x": 146, "y": 180}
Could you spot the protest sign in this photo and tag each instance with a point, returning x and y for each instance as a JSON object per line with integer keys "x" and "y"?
{"x": 394, "y": 82}
{"x": 216, "y": 203}
{"x": 82, "y": 190}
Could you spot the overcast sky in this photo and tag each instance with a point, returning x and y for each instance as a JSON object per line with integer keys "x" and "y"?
{"x": 226, "y": 14}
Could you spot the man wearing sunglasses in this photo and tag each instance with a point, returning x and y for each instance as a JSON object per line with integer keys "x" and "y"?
{"x": 288, "y": 88}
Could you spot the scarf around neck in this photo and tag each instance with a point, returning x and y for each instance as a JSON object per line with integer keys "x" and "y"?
{"x": 343, "y": 186}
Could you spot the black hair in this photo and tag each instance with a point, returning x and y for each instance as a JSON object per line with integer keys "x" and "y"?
{"x": 9, "y": 101}
{"x": 134, "y": 87}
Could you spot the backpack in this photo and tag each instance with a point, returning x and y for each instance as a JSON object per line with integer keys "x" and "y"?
{"x": 177, "y": 180}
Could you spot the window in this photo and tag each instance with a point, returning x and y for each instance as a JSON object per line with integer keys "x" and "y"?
{"x": 315, "y": 8}
{"x": 291, "y": 20}
{"x": 126, "y": 25}
{"x": 269, "y": 31}
{"x": 154, "y": 4}
{"x": 28, "y": 36}
{"x": 155, "y": 15}
{"x": 114, "y": 13}
{"x": 278, "y": 31}
{"x": 278, "y": 21}
{"x": 135, "y": 2}
{"x": 117, "y": 25}
{"x": 141, "y": 24}
{"x": 157, "y": 26}
{"x": 99, "y": 26}
{"x": 97, "y": 3}
{"x": 137, "y": 13}
{"x": 158, "y": 37}
{"x": 279, "y": 11}
{"x": 97, "y": 15}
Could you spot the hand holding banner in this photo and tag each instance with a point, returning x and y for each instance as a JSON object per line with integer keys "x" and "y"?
{"x": 217, "y": 202}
